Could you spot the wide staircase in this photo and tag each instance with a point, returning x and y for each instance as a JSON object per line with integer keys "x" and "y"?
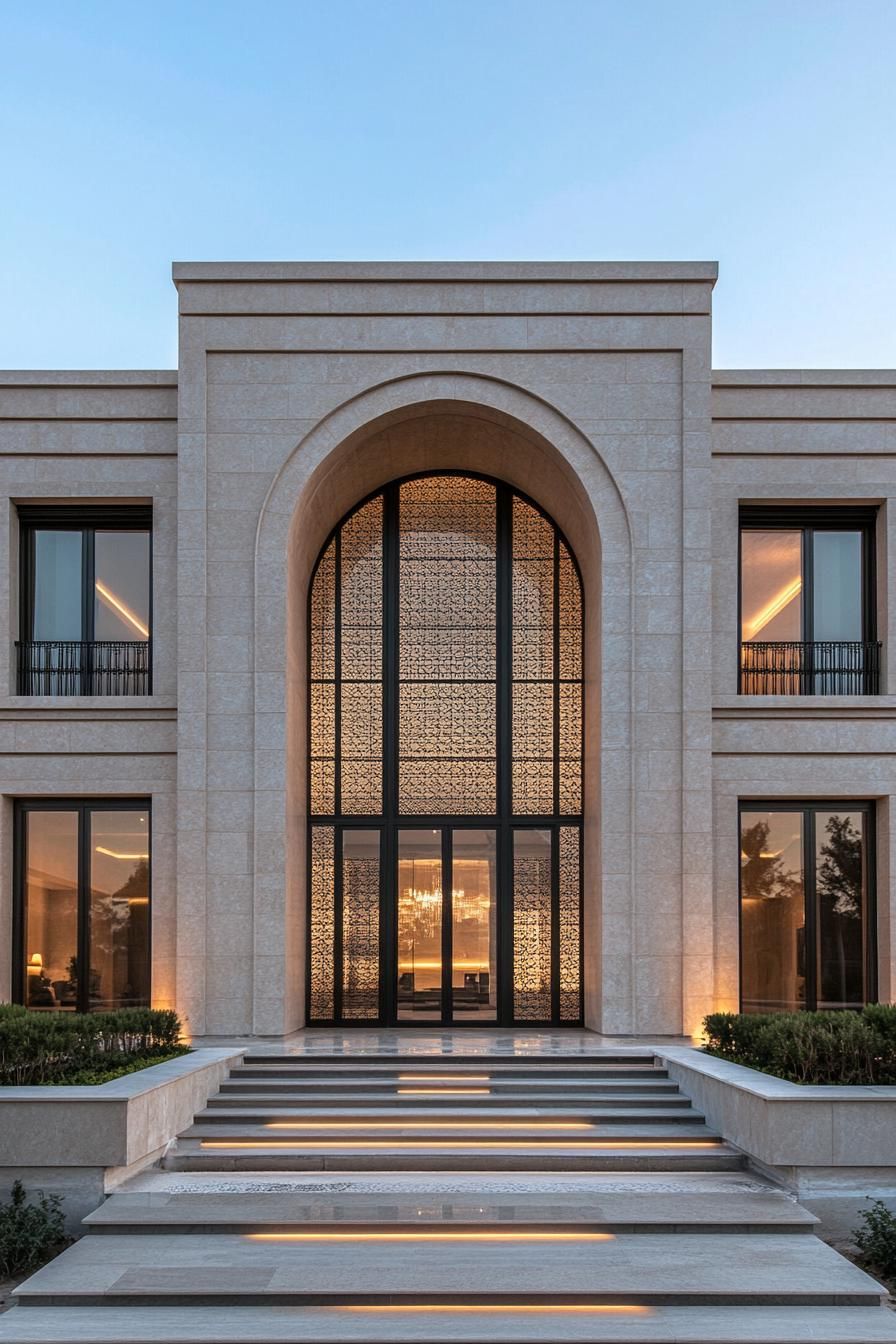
{"x": 414, "y": 1199}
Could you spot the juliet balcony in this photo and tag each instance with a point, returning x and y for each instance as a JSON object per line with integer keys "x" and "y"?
{"x": 816, "y": 667}
{"x": 63, "y": 667}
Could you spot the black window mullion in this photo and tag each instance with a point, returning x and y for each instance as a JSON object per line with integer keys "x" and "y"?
{"x": 447, "y": 930}
{"x": 19, "y": 974}
{"x": 390, "y": 651}
{"x": 555, "y": 658}
{"x": 28, "y": 613}
{"x": 84, "y": 828}
{"x": 388, "y": 907}
{"x": 504, "y": 649}
{"x": 504, "y": 923}
{"x": 338, "y": 950}
{"x": 388, "y": 932}
{"x": 88, "y": 622}
{"x": 811, "y": 922}
{"x": 869, "y": 901}
{"x": 808, "y": 611}
{"x": 88, "y": 583}
{"x": 555, "y": 924}
{"x": 504, "y": 672}
{"x": 337, "y": 675}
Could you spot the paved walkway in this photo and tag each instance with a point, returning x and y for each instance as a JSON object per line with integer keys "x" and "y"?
{"x": 423, "y": 1187}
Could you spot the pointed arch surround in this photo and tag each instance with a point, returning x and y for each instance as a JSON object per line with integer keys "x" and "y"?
{"x": 467, "y": 424}
{"x": 445, "y": 783}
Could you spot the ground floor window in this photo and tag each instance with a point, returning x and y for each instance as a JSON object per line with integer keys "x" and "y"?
{"x": 806, "y": 906}
{"x": 82, "y": 893}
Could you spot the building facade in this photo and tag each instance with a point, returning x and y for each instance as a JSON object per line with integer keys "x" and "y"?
{"x": 447, "y": 643}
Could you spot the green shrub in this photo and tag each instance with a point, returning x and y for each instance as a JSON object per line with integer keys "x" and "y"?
{"x": 832, "y": 1047}
{"x": 45, "y": 1047}
{"x": 877, "y": 1239}
{"x": 29, "y": 1233}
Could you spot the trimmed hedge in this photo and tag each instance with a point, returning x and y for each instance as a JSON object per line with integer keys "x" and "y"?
{"x": 827, "y": 1048}
{"x": 47, "y": 1047}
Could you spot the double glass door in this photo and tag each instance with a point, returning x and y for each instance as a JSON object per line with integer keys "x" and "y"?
{"x": 446, "y": 925}
{"x": 446, "y": 922}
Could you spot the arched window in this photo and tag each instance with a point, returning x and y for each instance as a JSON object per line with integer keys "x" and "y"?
{"x": 445, "y": 762}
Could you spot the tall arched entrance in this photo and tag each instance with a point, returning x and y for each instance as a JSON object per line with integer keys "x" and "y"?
{"x": 445, "y": 764}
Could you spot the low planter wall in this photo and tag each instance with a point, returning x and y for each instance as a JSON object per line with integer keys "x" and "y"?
{"x": 815, "y": 1140}
{"x": 79, "y": 1142}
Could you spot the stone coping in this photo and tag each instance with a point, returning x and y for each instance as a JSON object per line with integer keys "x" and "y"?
{"x": 788, "y": 1126}
{"x": 702, "y": 271}
{"x": 130, "y": 1084}
{"x": 115, "y": 1124}
{"x": 88, "y": 377}
{"x": 804, "y": 377}
{"x": 766, "y": 1085}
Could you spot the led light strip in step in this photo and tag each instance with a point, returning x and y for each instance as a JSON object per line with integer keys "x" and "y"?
{"x": 428, "y": 1236}
{"x": 536, "y": 1145}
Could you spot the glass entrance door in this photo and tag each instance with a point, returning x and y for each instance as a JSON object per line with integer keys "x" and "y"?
{"x": 447, "y": 932}
{"x": 445, "y": 761}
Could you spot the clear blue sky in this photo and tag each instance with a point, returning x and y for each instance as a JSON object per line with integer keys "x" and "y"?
{"x": 759, "y": 134}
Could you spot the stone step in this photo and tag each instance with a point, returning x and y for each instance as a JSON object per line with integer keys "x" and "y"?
{"x": 327, "y": 1325}
{"x": 300, "y": 1072}
{"x": 581, "y": 1268}
{"x": 622, "y": 1154}
{"x": 374, "y": 1059}
{"x": 394, "y": 1119}
{"x": 573, "y": 1133}
{"x": 632, "y": 1210}
{"x": 322, "y": 1325}
{"x": 567, "y": 1099}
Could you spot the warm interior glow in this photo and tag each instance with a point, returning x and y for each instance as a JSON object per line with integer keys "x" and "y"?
{"x": 122, "y": 608}
{"x": 773, "y": 608}
{"x": 426, "y": 1235}
{"x": 597, "y": 1308}
{"x": 114, "y": 854}
{"x": 485, "y": 1146}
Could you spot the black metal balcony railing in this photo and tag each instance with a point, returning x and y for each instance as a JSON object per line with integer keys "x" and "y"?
{"x": 822, "y": 667}
{"x": 82, "y": 667}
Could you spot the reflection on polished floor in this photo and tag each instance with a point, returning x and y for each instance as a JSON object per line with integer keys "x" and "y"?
{"x": 500, "y": 1041}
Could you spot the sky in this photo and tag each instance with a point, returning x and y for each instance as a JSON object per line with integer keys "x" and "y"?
{"x": 761, "y": 135}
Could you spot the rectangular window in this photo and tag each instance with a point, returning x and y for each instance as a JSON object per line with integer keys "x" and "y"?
{"x": 82, "y": 900}
{"x": 85, "y": 601}
{"x": 807, "y": 602}
{"x": 807, "y": 930}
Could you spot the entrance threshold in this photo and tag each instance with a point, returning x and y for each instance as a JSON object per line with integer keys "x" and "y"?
{"x": 509, "y": 1042}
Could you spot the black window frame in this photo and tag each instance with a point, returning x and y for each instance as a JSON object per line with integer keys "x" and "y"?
{"x": 503, "y": 820}
{"x": 83, "y": 807}
{"x": 808, "y": 808}
{"x": 808, "y": 519}
{"x": 88, "y": 520}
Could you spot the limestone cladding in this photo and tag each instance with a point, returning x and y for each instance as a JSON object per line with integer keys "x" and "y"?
{"x": 301, "y": 388}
